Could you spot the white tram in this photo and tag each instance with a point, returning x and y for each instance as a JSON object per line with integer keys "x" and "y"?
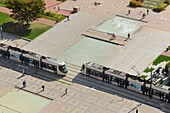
{"x": 29, "y": 58}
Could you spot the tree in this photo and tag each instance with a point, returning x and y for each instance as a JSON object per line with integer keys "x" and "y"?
{"x": 25, "y": 10}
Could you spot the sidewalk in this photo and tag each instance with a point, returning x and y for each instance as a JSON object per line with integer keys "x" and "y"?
{"x": 53, "y": 5}
{"x": 166, "y": 53}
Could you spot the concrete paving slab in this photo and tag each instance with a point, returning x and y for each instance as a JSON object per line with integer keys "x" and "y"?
{"x": 53, "y": 42}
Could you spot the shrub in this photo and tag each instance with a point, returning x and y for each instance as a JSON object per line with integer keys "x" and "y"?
{"x": 48, "y": 13}
{"x": 135, "y": 3}
{"x": 169, "y": 48}
{"x": 160, "y": 7}
{"x": 167, "y": 2}
{"x": 53, "y": 16}
{"x": 168, "y": 65}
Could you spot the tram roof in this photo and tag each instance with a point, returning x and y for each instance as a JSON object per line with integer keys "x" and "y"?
{"x": 116, "y": 72}
{"x": 53, "y": 61}
{"x": 159, "y": 89}
{"x": 94, "y": 65}
{"x": 4, "y": 47}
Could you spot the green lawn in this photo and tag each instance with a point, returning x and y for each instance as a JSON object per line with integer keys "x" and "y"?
{"x": 4, "y": 18}
{"x": 28, "y": 31}
{"x": 37, "y": 29}
{"x": 160, "y": 59}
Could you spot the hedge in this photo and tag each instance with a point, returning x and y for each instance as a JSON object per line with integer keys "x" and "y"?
{"x": 167, "y": 2}
{"x": 53, "y": 16}
{"x": 160, "y": 7}
{"x": 135, "y": 3}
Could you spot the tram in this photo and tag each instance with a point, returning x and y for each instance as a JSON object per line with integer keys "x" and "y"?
{"x": 29, "y": 58}
{"x": 125, "y": 80}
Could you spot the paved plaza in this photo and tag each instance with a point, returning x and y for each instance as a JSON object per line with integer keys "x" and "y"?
{"x": 79, "y": 98}
{"x": 146, "y": 43}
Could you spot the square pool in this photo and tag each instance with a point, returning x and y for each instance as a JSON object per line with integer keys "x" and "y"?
{"x": 119, "y": 26}
{"x": 20, "y": 101}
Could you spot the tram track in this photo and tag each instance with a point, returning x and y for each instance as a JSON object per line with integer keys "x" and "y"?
{"x": 109, "y": 88}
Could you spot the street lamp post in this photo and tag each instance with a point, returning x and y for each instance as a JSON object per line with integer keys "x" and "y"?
{"x": 1, "y": 32}
{"x": 150, "y": 89}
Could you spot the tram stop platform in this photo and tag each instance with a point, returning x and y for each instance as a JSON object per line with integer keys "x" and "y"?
{"x": 111, "y": 38}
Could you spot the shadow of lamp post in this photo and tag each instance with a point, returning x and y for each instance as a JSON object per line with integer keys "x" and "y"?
{"x": 136, "y": 70}
{"x": 150, "y": 89}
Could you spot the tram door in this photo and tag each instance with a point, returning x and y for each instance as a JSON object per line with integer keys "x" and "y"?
{"x": 107, "y": 78}
{"x": 55, "y": 70}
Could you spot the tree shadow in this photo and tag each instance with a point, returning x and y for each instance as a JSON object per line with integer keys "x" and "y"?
{"x": 17, "y": 28}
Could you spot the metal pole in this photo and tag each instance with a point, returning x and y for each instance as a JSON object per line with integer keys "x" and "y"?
{"x": 1, "y": 32}
{"x": 150, "y": 90}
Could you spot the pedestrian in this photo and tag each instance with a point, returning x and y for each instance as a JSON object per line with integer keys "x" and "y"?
{"x": 128, "y": 35}
{"x": 136, "y": 110}
{"x": 58, "y": 8}
{"x": 147, "y": 11}
{"x": 143, "y": 16}
{"x": 122, "y": 99}
{"x": 66, "y": 91}
{"x": 24, "y": 84}
{"x": 68, "y": 18}
{"x": 129, "y": 11}
{"x": 56, "y": 21}
{"x": 43, "y": 87}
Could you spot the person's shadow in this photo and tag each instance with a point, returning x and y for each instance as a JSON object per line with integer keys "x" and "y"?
{"x": 63, "y": 95}
{"x": 20, "y": 76}
{"x": 40, "y": 91}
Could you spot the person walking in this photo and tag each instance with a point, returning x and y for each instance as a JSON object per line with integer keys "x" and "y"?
{"x": 68, "y": 18}
{"x": 147, "y": 11}
{"x": 58, "y": 8}
{"x": 136, "y": 110}
{"x": 24, "y": 84}
{"x": 43, "y": 87}
{"x": 143, "y": 16}
{"x": 128, "y": 36}
{"x": 129, "y": 11}
{"x": 66, "y": 91}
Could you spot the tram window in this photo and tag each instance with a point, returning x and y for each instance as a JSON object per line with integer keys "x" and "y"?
{"x": 114, "y": 79}
{"x": 31, "y": 61}
{"x": 87, "y": 71}
{"x": 25, "y": 60}
{"x": 97, "y": 73}
{"x": 63, "y": 68}
{"x": 36, "y": 63}
{"x": 51, "y": 67}
{"x": 92, "y": 72}
{"x": 48, "y": 66}
{"x": 155, "y": 92}
{"x": 4, "y": 54}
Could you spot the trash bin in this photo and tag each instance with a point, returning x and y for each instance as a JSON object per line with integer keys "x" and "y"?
{"x": 76, "y": 9}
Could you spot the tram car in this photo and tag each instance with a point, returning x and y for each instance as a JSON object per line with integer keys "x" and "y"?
{"x": 124, "y": 80}
{"x": 29, "y": 58}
